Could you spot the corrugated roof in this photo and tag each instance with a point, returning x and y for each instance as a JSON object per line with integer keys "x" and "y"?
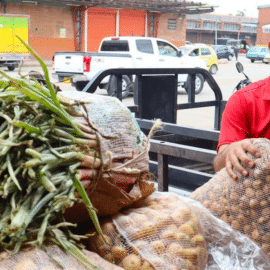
{"x": 162, "y": 6}
{"x": 223, "y": 18}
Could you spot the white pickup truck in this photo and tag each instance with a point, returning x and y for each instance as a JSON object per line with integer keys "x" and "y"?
{"x": 124, "y": 52}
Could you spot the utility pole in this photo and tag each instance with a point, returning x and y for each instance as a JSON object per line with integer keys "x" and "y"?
{"x": 216, "y": 33}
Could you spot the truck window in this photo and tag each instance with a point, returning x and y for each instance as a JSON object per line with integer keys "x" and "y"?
{"x": 166, "y": 49}
{"x": 144, "y": 46}
{"x": 115, "y": 46}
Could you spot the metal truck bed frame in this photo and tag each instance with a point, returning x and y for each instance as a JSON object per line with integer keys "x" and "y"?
{"x": 180, "y": 156}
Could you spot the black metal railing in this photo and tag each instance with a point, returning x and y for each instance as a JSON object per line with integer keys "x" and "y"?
{"x": 156, "y": 89}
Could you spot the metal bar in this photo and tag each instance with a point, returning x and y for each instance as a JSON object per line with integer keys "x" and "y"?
{"x": 191, "y": 88}
{"x": 163, "y": 177}
{"x": 183, "y": 178}
{"x": 183, "y": 151}
{"x": 119, "y": 87}
{"x": 201, "y": 133}
{"x": 197, "y": 105}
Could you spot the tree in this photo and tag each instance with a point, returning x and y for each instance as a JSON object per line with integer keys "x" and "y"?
{"x": 240, "y": 13}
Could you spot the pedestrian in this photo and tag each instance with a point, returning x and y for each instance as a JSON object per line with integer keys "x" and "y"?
{"x": 236, "y": 51}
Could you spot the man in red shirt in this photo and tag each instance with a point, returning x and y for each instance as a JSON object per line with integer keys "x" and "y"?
{"x": 245, "y": 118}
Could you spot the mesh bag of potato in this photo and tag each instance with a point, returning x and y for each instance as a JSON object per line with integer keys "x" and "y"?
{"x": 122, "y": 148}
{"x": 244, "y": 204}
{"x": 163, "y": 233}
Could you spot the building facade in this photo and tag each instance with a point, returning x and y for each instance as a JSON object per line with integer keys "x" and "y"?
{"x": 204, "y": 28}
{"x": 63, "y": 27}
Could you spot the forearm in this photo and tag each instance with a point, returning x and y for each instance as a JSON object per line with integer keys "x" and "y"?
{"x": 220, "y": 160}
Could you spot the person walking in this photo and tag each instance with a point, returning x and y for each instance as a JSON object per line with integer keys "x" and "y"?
{"x": 236, "y": 51}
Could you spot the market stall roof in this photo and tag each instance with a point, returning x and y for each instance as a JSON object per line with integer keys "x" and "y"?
{"x": 161, "y": 6}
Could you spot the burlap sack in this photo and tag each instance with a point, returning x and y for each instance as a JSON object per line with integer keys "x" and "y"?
{"x": 123, "y": 149}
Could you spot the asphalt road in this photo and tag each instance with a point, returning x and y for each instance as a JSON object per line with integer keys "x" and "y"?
{"x": 227, "y": 78}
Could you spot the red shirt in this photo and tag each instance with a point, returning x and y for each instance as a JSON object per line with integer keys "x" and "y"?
{"x": 247, "y": 114}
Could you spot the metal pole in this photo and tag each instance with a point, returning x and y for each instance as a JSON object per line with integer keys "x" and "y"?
{"x": 216, "y": 34}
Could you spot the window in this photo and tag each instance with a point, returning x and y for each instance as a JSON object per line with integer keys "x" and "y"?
{"x": 192, "y": 25}
{"x": 205, "y": 51}
{"x": 166, "y": 49}
{"x": 115, "y": 46}
{"x": 194, "y": 52}
{"x": 144, "y": 46}
{"x": 172, "y": 24}
{"x": 251, "y": 29}
{"x": 231, "y": 27}
{"x": 210, "y": 25}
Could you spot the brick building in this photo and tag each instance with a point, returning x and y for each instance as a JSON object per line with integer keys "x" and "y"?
{"x": 67, "y": 25}
{"x": 263, "y": 33}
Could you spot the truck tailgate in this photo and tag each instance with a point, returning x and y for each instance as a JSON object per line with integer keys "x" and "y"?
{"x": 68, "y": 62}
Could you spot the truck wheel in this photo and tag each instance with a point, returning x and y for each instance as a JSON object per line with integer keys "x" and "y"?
{"x": 230, "y": 57}
{"x": 126, "y": 82}
{"x": 80, "y": 86}
{"x": 11, "y": 68}
{"x": 252, "y": 60}
{"x": 199, "y": 82}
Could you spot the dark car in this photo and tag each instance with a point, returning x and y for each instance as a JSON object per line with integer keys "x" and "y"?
{"x": 223, "y": 52}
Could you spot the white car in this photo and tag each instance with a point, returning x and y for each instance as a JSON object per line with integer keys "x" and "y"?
{"x": 266, "y": 59}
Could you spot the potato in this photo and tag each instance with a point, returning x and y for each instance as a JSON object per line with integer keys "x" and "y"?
{"x": 104, "y": 249}
{"x": 198, "y": 240}
{"x": 249, "y": 192}
{"x": 187, "y": 229}
{"x": 183, "y": 238}
{"x": 132, "y": 262}
{"x": 167, "y": 234}
{"x": 146, "y": 266}
{"x": 139, "y": 218}
{"x": 174, "y": 249}
{"x": 108, "y": 228}
{"x": 158, "y": 246}
{"x": 119, "y": 252}
{"x": 109, "y": 257}
{"x": 234, "y": 197}
{"x": 236, "y": 225}
{"x": 267, "y": 179}
{"x": 26, "y": 264}
{"x": 148, "y": 230}
{"x": 255, "y": 235}
{"x": 263, "y": 203}
{"x": 247, "y": 183}
{"x": 100, "y": 242}
{"x": 254, "y": 203}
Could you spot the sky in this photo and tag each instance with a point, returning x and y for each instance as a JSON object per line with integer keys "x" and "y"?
{"x": 227, "y": 7}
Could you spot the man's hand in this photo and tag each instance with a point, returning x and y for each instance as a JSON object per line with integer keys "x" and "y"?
{"x": 234, "y": 154}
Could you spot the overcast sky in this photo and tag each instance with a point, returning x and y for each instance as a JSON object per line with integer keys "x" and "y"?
{"x": 249, "y": 7}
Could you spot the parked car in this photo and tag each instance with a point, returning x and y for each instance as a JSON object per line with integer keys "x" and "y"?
{"x": 223, "y": 51}
{"x": 266, "y": 59}
{"x": 257, "y": 53}
{"x": 202, "y": 51}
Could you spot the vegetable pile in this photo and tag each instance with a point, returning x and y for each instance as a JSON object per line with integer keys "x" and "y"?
{"x": 42, "y": 149}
